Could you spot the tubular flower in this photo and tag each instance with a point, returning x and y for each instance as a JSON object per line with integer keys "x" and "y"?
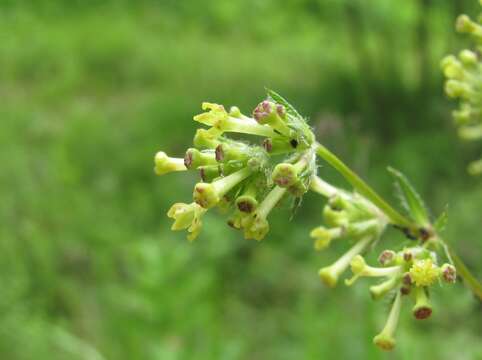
{"x": 360, "y": 268}
{"x": 187, "y": 216}
{"x": 165, "y": 164}
{"x": 346, "y": 216}
{"x": 330, "y": 274}
{"x": 385, "y": 340}
{"x": 208, "y": 195}
{"x": 423, "y": 308}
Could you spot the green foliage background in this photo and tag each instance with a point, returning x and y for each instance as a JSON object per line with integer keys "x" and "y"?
{"x": 90, "y": 90}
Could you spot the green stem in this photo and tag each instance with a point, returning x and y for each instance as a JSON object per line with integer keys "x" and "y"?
{"x": 362, "y": 187}
{"x": 469, "y": 279}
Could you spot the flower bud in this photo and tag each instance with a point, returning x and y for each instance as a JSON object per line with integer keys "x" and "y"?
{"x": 205, "y": 195}
{"x": 273, "y": 115}
{"x": 455, "y": 88}
{"x": 453, "y": 68}
{"x": 422, "y": 309}
{"x": 468, "y": 58}
{"x": 449, "y": 273}
{"x": 330, "y": 274}
{"x": 209, "y": 173}
{"x": 284, "y": 175}
{"x": 165, "y": 164}
{"x": 462, "y": 116}
{"x": 387, "y": 257}
{"x": 227, "y": 152}
{"x": 463, "y": 24}
{"x": 256, "y": 226}
{"x": 246, "y": 203}
{"x": 470, "y": 132}
{"x": 424, "y": 272}
{"x": 279, "y": 145}
{"x": 475, "y": 167}
{"x": 208, "y": 194}
{"x": 195, "y": 158}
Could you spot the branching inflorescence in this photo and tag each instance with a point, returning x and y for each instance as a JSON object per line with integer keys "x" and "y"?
{"x": 247, "y": 180}
{"x": 464, "y": 81}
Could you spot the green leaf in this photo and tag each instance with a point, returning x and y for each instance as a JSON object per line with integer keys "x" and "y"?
{"x": 281, "y": 100}
{"x": 411, "y": 200}
{"x": 441, "y": 222}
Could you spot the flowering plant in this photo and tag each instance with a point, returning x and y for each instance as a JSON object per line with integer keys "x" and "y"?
{"x": 247, "y": 179}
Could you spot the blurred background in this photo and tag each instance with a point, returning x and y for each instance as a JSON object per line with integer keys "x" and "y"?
{"x": 90, "y": 90}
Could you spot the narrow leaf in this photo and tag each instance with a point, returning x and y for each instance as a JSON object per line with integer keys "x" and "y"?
{"x": 441, "y": 221}
{"x": 281, "y": 100}
{"x": 412, "y": 200}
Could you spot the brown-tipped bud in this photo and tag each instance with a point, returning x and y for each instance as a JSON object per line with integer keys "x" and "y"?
{"x": 387, "y": 257}
{"x": 266, "y": 110}
{"x": 407, "y": 255}
{"x": 246, "y": 203}
{"x": 285, "y": 175}
{"x": 405, "y": 290}
{"x": 449, "y": 273}
{"x": 195, "y": 158}
{"x": 209, "y": 173}
{"x": 407, "y": 279}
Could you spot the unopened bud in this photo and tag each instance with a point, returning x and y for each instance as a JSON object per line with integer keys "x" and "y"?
{"x": 284, "y": 175}
{"x": 449, "y": 273}
{"x": 463, "y": 24}
{"x": 454, "y": 89}
{"x": 387, "y": 258}
{"x": 468, "y": 57}
{"x": 205, "y": 195}
{"x": 195, "y": 158}
{"x": 246, "y": 203}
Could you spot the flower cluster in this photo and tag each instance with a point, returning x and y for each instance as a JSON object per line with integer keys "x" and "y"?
{"x": 464, "y": 81}
{"x": 247, "y": 179}
{"x": 239, "y": 176}
{"x": 346, "y": 216}
{"x": 408, "y": 273}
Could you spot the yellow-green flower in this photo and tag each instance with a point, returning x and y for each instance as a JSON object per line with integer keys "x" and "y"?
{"x": 424, "y": 272}
{"x": 187, "y": 216}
